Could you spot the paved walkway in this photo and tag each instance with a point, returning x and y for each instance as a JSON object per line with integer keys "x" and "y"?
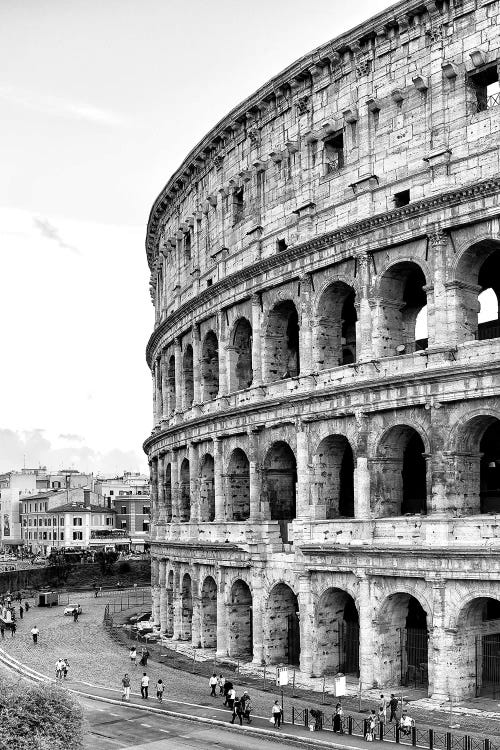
{"x": 98, "y": 662}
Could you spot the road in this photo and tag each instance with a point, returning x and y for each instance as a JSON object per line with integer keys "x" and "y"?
{"x": 113, "y": 727}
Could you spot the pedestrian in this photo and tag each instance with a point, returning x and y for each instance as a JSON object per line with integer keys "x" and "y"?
{"x": 159, "y": 690}
{"x": 75, "y": 615}
{"x": 237, "y": 710}
{"x": 144, "y": 685}
{"x": 96, "y": 590}
{"x": 383, "y": 703}
{"x": 144, "y": 657}
{"x": 21, "y": 612}
{"x": 18, "y": 597}
{"x": 35, "y": 633}
{"x": 393, "y": 705}
{"x": 65, "y": 668}
{"x": 59, "y": 669}
{"x": 276, "y": 712}
{"x": 13, "y": 628}
{"x": 406, "y": 724}
{"x": 220, "y": 683}
{"x": 133, "y": 655}
{"x": 381, "y": 718}
{"x": 125, "y": 687}
{"x": 231, "y": 695}
{"x": 2, "y": 629}
{"x": 227, "y": 687}
{"x": 213, "y": 684}
{"x": 338, "y": 718}
{"x": 26, "y": 605}
{"x": 370, "y": 726}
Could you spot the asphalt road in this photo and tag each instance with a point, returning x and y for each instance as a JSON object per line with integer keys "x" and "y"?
{"x": 112, "y": 727}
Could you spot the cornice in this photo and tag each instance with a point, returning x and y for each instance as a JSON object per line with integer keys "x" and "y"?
{"x": 308, "y": 64}
{"x": 347, "y": 232}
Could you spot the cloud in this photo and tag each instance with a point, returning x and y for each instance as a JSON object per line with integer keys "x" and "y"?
{"x": 58, "y": 107}
{"x": 51, "y": 233}
{"x": 71, "y": 437}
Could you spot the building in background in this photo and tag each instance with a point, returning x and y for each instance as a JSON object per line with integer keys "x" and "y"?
{"x": 129, "y": 496}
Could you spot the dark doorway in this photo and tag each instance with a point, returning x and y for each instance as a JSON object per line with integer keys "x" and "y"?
{"x": 414, "y": 477}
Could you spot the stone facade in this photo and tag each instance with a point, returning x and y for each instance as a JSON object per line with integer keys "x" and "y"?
{"x": 325, "y": 455}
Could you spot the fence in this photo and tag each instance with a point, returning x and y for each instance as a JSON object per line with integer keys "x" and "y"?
{"x": 412, "y": 737}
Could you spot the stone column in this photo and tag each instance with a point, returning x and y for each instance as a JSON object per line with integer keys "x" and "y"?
{"x": 364, "y": 324}
{"x": 196, "y": 364}
{"x": 159, "y": 393}
{"x": 222, "y": 334}
{"x": 194, "y": 482}
{"x": 362, "y": 479}
{"x": 178, "y": 375}
{"x": 305, "y": 332}
{"x": 257, "y": 363}
{"x": 155, "y": 591}
{"x": 196, "y": 624}
{"x": 366, "y": 632}
{"x": 303, "y": 479}
{"x": 255, "y": 477}
{"x": 175, "y": 486}
{"x": 307, "y": 624}
{"x": 437, "y": 302}
{"x": 164, "y": 385}
{"x": 163, "y": 595}
{"x": 161, "y": 489}
{"x": 440, "y": 658}
{"x": 258, "y": 611}
{"x": 153, "y": 379}
{"x": 220, "y": 511}
{"x": 222, "y": 618}
{"x": 177, "y": 594}
{"x": 154, "y": 490}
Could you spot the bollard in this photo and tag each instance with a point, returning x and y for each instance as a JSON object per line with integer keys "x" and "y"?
{"x": 397, "y": 732}
{"x": 264, "y": 676}
{"x": 306, "y": 717}
{"x": 293, "y": 714}
{"x": 365, "y": 727}
{"x": 487, "y": 744}
{"x": 349, "y": 725}
{"x": 431, "y": 739}
{"x": 448, "y": 741}
{"x": 414, "y": 736}
{"x": 381, "y": 731}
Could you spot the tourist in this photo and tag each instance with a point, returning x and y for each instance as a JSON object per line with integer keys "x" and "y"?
{"x": 125, "y": 687}
{"x": 21, "y": 612}
{"x": 227, "y": 687}
{"x": 159, "y": 690}
{"x": 370, "y": 726}
{"x": 75, "y": 615}
{"x": 65, "y": 669}
{"x": 144, "y": 685}
{"x": 276, "y": 712}
{"x": 26, "y": 605}
{"x": 35, "y": 633}
{"x": 144, "y": 657}
{"x": 393, "y": 705}
{"x": 381, "y": 718}
{"x": 13, "y": 628}
{"x": 383, "y": 706}
{"x": 221, "y": 681}
{"x": 237, "y": 710}
{"x": 59, "y": 669}
{"x": 2, "y": 629}
{"x": 406, "y": 723}
{"x": 337, "y": 719}
{"x": 231, "y": 695}
{"x": 213, "y": 684}
{"x": 133, "y": 655}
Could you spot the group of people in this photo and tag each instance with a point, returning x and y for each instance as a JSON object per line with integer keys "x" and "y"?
{"x": 240, "y": 706}
{"x": 379, "y": 719}
{"x": 160, "y": 686}
{"x": 143, "y": 661}
{"x": 8, "y": 613}
{"x": 62, "y": 666}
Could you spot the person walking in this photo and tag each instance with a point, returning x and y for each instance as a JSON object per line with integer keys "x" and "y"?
{"x": 65, "y": 668}
{"x": 133, "y": 655}
{"x": 144, "y": 686}
{"x": 276, "y": 712}
{"x": 213, "y": 684}
{"x": 370, "y": 726}
{"x": 393, "y": 705}
{"x": 227, "y": 687}
{"x": 75, "y": 615}
{"x": 338, "y": 718}
{"x": 125, "y": 687}
{"x": 34, "y": 634}
{"x": 237, "y": 712}
{"x": 231, "y": 695}
{"x": 381, "y": 718}
{"x": 160, "y": 687}
{"x": 383, "y": 706}
{"x": 13, "y": 628}
{"x": 144, "y": 657}
{"x": 2, "y": 630}
{"x": 59, "y": 669}
{"x": 26, "y": 605}
{"x": 21, "y": 611}
{"x": 221, "y": 681}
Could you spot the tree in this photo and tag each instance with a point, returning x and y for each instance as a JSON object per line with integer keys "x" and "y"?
{"x": 38, "y": 717}
{"x": 106, "y": 561}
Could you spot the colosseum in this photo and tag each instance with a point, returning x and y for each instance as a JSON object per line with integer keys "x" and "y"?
{"x": 325, "y": 454}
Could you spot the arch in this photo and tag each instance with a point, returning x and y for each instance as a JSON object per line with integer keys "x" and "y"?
{"x": 281, "y": 348}
{"x": 208, "y": 623}
{"x": 238, "y": 486}
{"x": 207, "y": 491}
{"x": 210, "y": 367}
{"x": 168, "y": 493}
{"x": 400, "y": 473}
{"x": 402, "y": 638}
{"x": 333, "y": 484}
{"x": 476, "y": 271}
{"x": 335, "y": 335}
{"x": 401, "y": 299}
{"x": 169, "y": 630}
{"x": 282, "y": 633}
{"x": 187, "y": 372}
{"x": 187, "y": 608}
{"x": 240, "y": 621}
{"x": 475, "y": 668}
{"x": 279, "y": 484}
{"x": 171, "y": 384}
{"x": 240, "y": 356}
{"x": 337, "y": 632}
{"x": 185, "y": 492}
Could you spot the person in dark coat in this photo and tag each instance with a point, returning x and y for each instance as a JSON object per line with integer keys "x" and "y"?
{"x": 227, "y": 687}
{"x": 237, "y": 712}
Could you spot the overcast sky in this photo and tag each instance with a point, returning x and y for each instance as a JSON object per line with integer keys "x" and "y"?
{"x": 100, "y": 100}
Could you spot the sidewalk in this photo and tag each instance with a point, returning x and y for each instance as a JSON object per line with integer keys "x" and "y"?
{"x": 98, "y": 662}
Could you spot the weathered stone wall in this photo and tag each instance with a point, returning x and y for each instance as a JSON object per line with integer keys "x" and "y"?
{"x": 326, "y": 439}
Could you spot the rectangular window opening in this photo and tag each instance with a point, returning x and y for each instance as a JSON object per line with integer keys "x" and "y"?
{"x": 238, "y": 205}
{"x": 486, "y": 89}
{"x": 209, "y": 282}
{"x": 281, "y": 246}
{"x": 187, "y": 245}
{"x": 402, "y": 198}
{"x": 334, "y": 153}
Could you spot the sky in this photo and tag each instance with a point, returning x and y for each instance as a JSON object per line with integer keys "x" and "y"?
{"x": 100, "y": 101}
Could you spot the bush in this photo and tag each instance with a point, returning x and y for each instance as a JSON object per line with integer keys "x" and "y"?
{"x": 124, "y": 567}
{"x": 38, "y": 717}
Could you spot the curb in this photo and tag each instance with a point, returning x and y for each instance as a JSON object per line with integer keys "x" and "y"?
{"x": 17, "y": 666}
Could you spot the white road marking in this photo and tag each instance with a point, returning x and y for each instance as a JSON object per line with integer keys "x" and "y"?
{"x": 166, "y": 731}
{"x": 148, "y": 726}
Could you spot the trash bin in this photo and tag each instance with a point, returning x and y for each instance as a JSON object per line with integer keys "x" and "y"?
{"x": 339, "y": 688}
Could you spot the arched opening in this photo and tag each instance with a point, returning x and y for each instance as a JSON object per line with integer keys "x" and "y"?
{"x": 238, "y": 486}
{"x": 475, "y": 667}
{"x": 187, "y": 608}
{"x": 337, "y": 628}
{"x": 210, "y": 366}
{"x": 476, "y": 290}
{"x": 402, "y": 300}
{"x": 400, "y": 485}
{"x": 240, "y": 621}
{"x": 171, "y": 384}
{"x": 279, "y": 483}
{"x": 282, "y": 342}
{"x": 185, "y": 492}
{"x": 282, "y": 637}
{"x": 489, "y": 447}
{"x": 336, "y": 327}
{"x": 333, "y": 489}
{"x": 207, "y": 492}
{"x": 240, "y": 356}
{"x": 208, "y": 625}
{"x": 476, "y": 467}
{"x": 168, "y": 493}
{"x": 403, "y": 642}
{"x": 187, "y": 371}
{"x": 169, "y": 630}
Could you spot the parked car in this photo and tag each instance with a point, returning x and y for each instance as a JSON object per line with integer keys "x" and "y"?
{"x": 71, "y": 607}
{"x": 140, "y": 617}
